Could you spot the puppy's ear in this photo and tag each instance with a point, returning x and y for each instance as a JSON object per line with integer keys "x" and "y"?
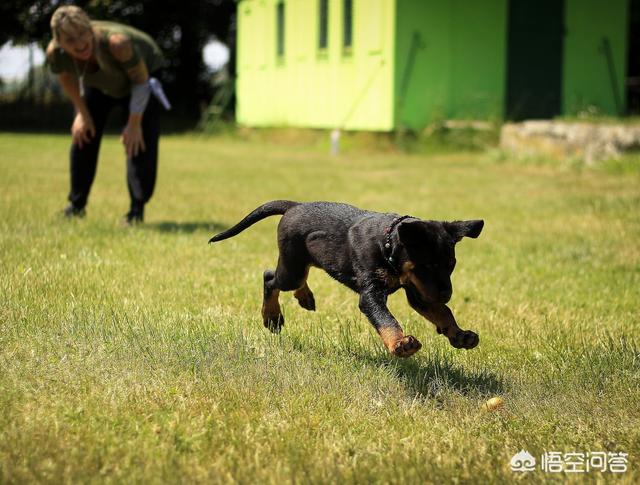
{"x": 411, "y": 232}
{"x": 460, "y": 229}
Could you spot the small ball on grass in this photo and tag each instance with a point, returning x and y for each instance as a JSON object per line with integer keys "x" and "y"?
{"x": 493, "y": 404}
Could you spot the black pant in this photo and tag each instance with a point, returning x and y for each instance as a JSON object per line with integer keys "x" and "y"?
{"x": 141, "y": 169}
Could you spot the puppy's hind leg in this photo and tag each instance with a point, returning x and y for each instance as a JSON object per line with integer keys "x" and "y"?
{"x": 271, "y": 315}
{"x": 290, "y": 275}
{"x": 304, "y": 295}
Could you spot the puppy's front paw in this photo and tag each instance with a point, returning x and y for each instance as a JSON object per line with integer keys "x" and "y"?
{"x": 406, "y": 347}
{"x": 464, "y": 339}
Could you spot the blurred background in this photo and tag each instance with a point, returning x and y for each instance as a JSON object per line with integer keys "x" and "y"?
{"x": 196, "y": 36}
{"x": 374, "y": 65}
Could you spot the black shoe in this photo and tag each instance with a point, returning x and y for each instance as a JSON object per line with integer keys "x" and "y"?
{"x": 73, "y": 212}
{"x": 132, "y": 218}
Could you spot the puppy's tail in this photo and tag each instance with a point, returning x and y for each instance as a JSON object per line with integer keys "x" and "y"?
{"x": 273, "y": 208}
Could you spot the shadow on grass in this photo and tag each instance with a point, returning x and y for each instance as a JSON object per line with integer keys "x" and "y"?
{"x": 432, "y": 371}
{"x": 185, "y": 227}
{"x": 429, "y": 378}
{"x": 434, "y": 374}
{"x": 428, "y": 374}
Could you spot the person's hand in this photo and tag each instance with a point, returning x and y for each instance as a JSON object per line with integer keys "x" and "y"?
{"x": 82, "y": 130}
{"x": 132, "y": 139}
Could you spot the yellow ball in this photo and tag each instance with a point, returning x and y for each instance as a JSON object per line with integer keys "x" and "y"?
{"x": 493, "y": 404}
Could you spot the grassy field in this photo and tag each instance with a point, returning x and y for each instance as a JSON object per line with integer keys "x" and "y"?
{"x": 138, "y": 355}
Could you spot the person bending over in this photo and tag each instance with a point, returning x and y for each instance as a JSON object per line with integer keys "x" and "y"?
{"x": 102, "y": 65}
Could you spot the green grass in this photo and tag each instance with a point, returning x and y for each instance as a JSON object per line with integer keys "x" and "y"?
{"x": 138, "y": 355}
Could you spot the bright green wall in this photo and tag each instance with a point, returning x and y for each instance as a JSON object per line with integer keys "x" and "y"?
{"x": 459, "y": 68}
{"x": 587, "y": 81}
{"x": 312, "y": 89}
{"x": 479, "y": 53}
{"x": 422, "y": 79}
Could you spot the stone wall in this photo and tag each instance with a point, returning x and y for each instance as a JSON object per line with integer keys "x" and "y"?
{"x": 557, "y": 139}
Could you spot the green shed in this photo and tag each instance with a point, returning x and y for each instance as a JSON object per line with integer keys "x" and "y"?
{"x": 387, "y": 64}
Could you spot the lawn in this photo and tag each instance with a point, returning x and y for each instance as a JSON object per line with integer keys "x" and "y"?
{"x": 139, "y": 355}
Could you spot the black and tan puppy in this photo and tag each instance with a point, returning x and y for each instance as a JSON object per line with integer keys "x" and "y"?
{"x": 372, "y": 253}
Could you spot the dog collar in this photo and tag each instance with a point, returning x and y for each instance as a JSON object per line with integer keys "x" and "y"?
{"x": 388, "y": 249}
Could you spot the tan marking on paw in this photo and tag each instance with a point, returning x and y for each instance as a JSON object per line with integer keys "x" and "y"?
{"x": 406, "y": 347}
{"x": 302, "y": 292}
{"x": 305, "y": 297}
{"x": 390, "y": 336}
{"x": 271, "y": 306}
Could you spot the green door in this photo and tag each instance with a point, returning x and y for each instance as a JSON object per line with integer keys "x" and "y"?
{"x": 534, "y": 59}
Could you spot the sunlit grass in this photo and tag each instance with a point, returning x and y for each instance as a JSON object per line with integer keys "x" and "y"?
{"x": 138, "y": 355}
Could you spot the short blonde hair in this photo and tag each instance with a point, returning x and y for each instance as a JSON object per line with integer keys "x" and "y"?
{"x": 69, "y": 15}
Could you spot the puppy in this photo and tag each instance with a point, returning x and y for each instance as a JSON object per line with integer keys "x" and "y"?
{"x": 372, "y": 253}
